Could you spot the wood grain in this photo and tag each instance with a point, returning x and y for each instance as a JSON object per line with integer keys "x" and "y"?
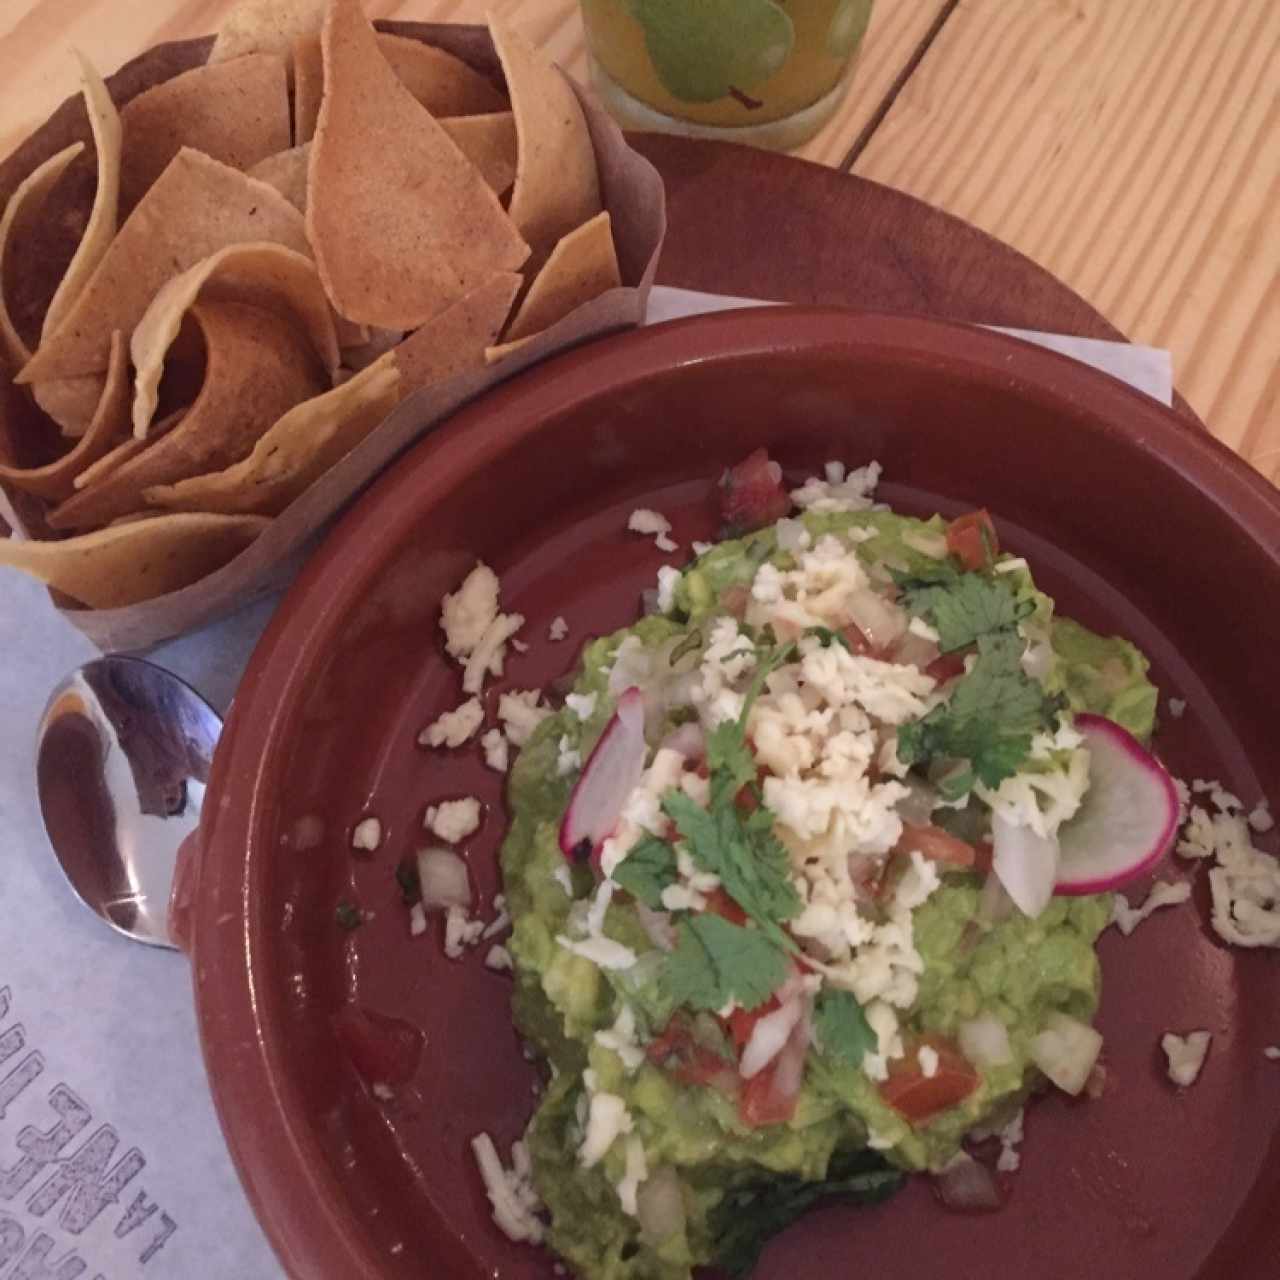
{"x": 1133, "y": 149}
{"x": 38, "y": 71}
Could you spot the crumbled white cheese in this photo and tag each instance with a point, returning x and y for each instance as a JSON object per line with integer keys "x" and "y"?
{"x": 1177, "y": 707}
{"x": 510, "y": 1191}
{"x": 635, "y": 1172}
{"x": 582, "y": 705}
{"x": 927, "y": 1056}
{"x": 602, "y": 951}
{"x": 453, "y": 728}
{"x": 621, "y": 1039}
{"x": 558, "y": 629}
{"x": 489, "y": 655}
{"x": 460, "y": 932}
{"x": 919, "y": 627}
{"x": 453, "y": 820}
{"x": 1009, "y": 1160}
{"x": 521, "y": 712}
{"x": 654, "y": 524}
{"x": 1164, "y": 893}
{"x": 367, "y": 834}
{"x": 519, "y": 645}
{"x": 1272, "y": 1052}
{"x": 1011, "y": 564}
{"x": 568, "y": 758}
{"x": 498, "y": 958}
{"x": 668, "y": 580}
{"x": 839, "y": 492}
{"x": 468, "y": 613}
{"x": 564, "y": 878}
{"x": 1259, "y": 817}
{"x": 701, "y": 548}
{"x": 607, "y": 1120}
{"x": 1186, "y": 1055}
{"x": 501, "y": 921}
{"x": 417, "y": 920}
{"x": 1199, "y": 838}
{"x": 496, "y": 754}
{"x": 1043, "y": 798}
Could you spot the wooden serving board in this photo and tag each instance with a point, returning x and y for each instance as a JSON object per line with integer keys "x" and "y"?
{"x": 762, "y": 225}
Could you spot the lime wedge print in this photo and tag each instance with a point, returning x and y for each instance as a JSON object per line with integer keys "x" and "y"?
{"x": 708, "y": 49}
{"x": 848, "y": 27}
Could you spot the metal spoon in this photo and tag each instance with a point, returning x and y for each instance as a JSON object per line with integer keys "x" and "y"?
{"x": 122, "y": 759}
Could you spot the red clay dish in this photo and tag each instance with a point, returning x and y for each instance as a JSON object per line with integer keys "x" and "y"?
{"x": 1134, "y": 522}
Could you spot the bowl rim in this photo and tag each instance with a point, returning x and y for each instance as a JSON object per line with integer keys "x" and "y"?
{"x": 298, "y": 1199}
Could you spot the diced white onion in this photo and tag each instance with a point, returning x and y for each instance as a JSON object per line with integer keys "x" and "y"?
{"x": 967, "y": 1186}
{"x": 660, "y": 1206}
{"x": 1066, "y": 1051}
{"x": 881, "y": 622}
{"x": 768, "y": 1037}
{"x": 444, "y": 880}
{"x": 984, "y": 1040}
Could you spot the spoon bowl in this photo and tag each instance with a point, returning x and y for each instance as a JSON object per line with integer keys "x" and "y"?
{"x": 122, "y": 758}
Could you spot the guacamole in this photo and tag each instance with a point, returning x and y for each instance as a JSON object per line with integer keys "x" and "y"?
{"x": 790, "y": 974}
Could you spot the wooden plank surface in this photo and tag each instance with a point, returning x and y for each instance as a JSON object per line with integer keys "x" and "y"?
{"x": 37, "y": 70}
{"x": 1132, "y": 147}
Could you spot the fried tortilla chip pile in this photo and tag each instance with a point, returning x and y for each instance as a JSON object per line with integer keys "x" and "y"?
{"x": 283, "y": 244}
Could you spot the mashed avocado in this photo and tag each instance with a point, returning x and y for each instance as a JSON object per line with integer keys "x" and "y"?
{"x": 597, "y": 1024}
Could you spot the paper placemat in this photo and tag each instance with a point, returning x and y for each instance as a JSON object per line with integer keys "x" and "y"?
{"x": 112, "y": 1166}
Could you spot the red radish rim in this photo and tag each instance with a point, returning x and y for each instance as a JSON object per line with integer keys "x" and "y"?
{"x": 1122, "y": 739}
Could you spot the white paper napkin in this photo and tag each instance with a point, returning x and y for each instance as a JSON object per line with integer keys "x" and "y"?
{"x": 110, "y": 1154}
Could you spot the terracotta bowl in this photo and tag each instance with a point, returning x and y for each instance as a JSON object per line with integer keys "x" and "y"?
{"x": 1134, "y": 522}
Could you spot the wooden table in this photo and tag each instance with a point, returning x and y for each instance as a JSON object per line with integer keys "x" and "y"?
{"x": 1132, "y": 147}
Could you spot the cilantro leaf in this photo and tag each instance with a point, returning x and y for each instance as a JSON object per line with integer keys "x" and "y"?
{"x": 842, "y": 1028}
{"x": 826, "y": 637}
{"x": 715, "y": 962}
{"x": 648, "y": 868}
{"x": 990, "y": 718}
{"x": 743, "y": 851}
{"x": 752, "y": 1212}
{"x": 731, "y": 763}
{"x": 970, "y": 606}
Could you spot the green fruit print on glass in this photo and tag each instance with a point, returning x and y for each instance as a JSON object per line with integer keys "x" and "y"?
{"x": 708, "y": 49}
{"x": 848, "y": 27}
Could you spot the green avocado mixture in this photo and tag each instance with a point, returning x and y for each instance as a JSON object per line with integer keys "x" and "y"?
{"x": 739, "y": 1182}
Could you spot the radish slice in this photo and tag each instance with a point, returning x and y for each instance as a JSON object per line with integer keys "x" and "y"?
{"x": 612, "y": 771}
{"x": 1127, "y": 820}
{"x": 1026, "y": 863}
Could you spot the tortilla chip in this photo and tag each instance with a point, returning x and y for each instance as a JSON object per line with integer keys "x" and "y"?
{"x": 265, "y": 26}
{"x": 454, "y": 341}
{"x": 109, "y": 426}
{"x": 582, "y": 266}
{"x": 71, "y": 402}
{"x": 402, "y": 225}
{"x": 308, "y": 87}
{"x": 22, "y": 211}
{"x": 489, "y": 142}
{"x": 121, "y": 453}
{"x": 236, "y": 112}
{"x": 266, "y": 276}
{"x": 441, "y": 82}
{"x": 196, "y": 207}
{"x": 104, "y": 218}
{"x": 296, "y": 452}
{"x": 135, "y": 561}
{"x": 557, "y": 185}
{"x": 287, "y": 172}
{"x": 255, "y": 369}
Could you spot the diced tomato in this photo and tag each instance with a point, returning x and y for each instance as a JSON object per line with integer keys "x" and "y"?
{"x": 983, "y": 855}
{"x": 946, "y": 667}
{"x": 752, "y": 494}
{"x": 762, "y": 1102}
{"x": 742, "y": 1022}
{"x": 856, "y": 640}
{"x": 719, "y": 903}
{"x": 679, "y": 1053}
{"x": 746, "y": 801}
{"x": 917, "y": 1096}
{"x": 935, "y": 844}
{"x": 734, "y": 600}
{"x": 383, "y": 1050}
{"x": 971, "y": 538}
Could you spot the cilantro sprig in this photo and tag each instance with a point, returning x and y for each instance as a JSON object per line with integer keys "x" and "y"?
{"x": 716, "y": 961}
{"x": 842, "y": 1028}
{"x": 963, "y": 607}
{"x": 989, "y": 719}
{"x": 648, "y": 868}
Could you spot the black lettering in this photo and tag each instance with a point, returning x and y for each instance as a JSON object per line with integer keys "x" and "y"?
{"x": 12, "y": 1237}
{"x": 11, "y": 1042}
{"x": 167, "y": 1228}
{"x": 82, "y": 1176}
{"x": 42, "y": 1149}
{"x": 136, "y": 1214}
{"x": 33, "y": 1265}
{"x": 17, "y": 1080}
{"x": 4, "y": 1003}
